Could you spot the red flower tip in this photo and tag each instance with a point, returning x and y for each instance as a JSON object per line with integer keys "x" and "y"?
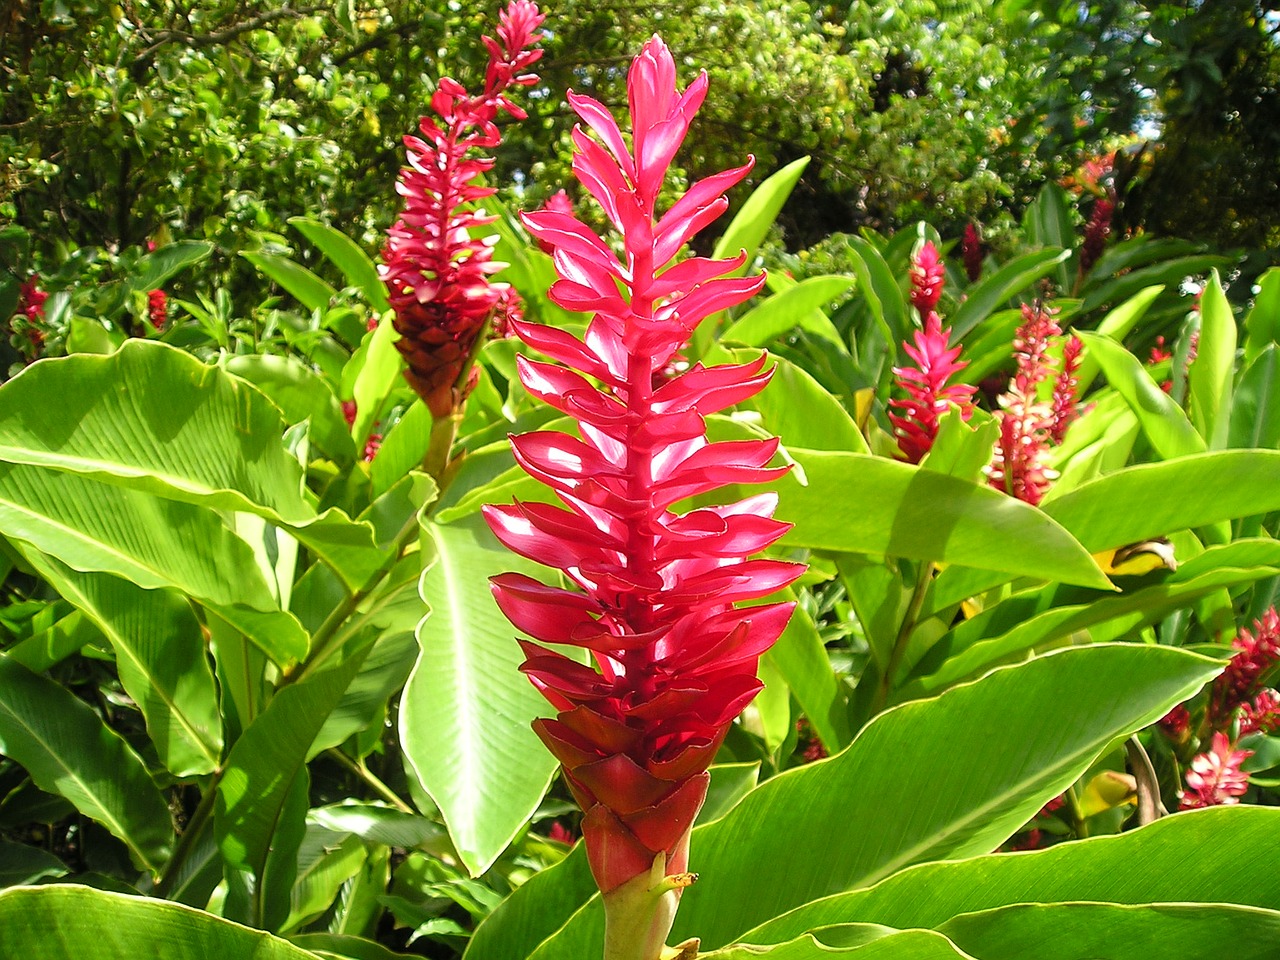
{"x": 656, "y": 591}
{"x": 971, "y": 247}
{"x": 437, "y": 266}
{"x": 1096, "y": 233}
{"x": 158, "y": 308}
{"x": 1259, "y": 649}
{"x": 928, "y": 393}
{"x": 928, "y": 274}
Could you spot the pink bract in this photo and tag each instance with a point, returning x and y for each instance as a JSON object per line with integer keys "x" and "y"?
{"x": 657, "y": 588}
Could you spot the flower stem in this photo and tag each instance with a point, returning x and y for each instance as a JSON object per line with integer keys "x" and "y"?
{"x": 189, "y": 837}
{"x": 370, "y": 779}
{"x": 923, "y": 578}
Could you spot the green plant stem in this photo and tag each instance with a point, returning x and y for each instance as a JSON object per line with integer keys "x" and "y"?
{"x": 900, "y": 642}
{"x": 367, "y": 776}
{"x": 189, "y": 837}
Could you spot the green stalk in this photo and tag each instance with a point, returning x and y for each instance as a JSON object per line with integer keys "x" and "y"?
{"x": 189, "y": 837}
{"x": 367, "y": 776}
{"x": 923, "y": 578}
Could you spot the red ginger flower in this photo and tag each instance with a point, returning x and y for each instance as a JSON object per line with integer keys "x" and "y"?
{"x": 1026, "y": 423}
{"x": 1237, "y": 684}
{"x": 971, "y": 248}
{"x": 675, "y": 659}
{"x": 928, "y": 274}
{"x": 1262, "y": 715}
{"x": 1214, "y": 777}
{"x": 928, "y": 393}
{"x": 436, "y": 270}
{"x": 31, "y": 299}
{"x": 158, "y": 308}
{"x": 1096, "y": 233}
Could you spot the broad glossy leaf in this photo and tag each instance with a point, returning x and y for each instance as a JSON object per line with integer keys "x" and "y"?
{"x": 1149, "y": 865}
{"x": 347, "y": 256}
{"x": 730, "y": 782}
{"x": 1069, "y": 931}
{"x": 336, "y": 946}
{"x": 1157, "y": 499}
{"x": 971, "y": 647}
{"x": 750, "y": 225}
{"x": 882, "y": 291}
{"x": 1116, "y": 325}
{"x": 1209, "y": 374}
{"x": 93, "y": 526}
{"x": 377, "y": 365}
{"x": 364, "y": 702}
{"x": 266, "y": 765}
{"x": 861, "y": 942}
{"x": 1049, "y": 223}
{"x": 403, "y": 448}
{"x": 860, "y": 504}
{"x": 74, "y": 922}
{"x": 987, "y": 755}
{"x": 1262, "y": 325}
{"x": 157, "y": 419}
{"x": 990, "y": 293}
{"x": 1162, "y": 420}
{"x": 797, "y": 306}
{"x": 325, "y": 862}
{"x": 69, "y": 751}
{"x": 301, "y": 394}
{"x": 376, "y": 823}
{"x": 309, "y": 290}
{"x": 796, "y": 408}
{"x": 1169, "y": 273}
{"x": 1255, "y": 408}
{"x": 23, "y": 864}
{"x": 167, "y": 262}
{"x": 161, "y": 658}
{"x": 42, "y": 650}
{"x": 800, "y": 657}
{"x": 466, "y": 708}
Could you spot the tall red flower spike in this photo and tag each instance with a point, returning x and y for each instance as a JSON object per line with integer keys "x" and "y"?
{"x": 436, "y": 270}
{"x": 928, "y": 395}
{"x": 1026, "y": 422}
{"x": 675, "y": 658}
{"x": 971, "y": 248}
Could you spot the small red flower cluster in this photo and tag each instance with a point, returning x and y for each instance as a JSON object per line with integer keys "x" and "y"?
{"x": 436, "y": 270}
{"x": 928, "y": 395}
{"x": 1028, "y": 425}
{"x": 1214, "y": 777}
{"x": 655, "y": 604}
{"x": 158, "y": 308}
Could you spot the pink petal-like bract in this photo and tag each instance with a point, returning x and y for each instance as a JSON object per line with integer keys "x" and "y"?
{"x": 656, "y": 589}
{"x": 436, "y": 268}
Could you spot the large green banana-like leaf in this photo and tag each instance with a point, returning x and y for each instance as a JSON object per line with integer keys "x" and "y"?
{"x": 466, "y": 709}
{"x": 69, "y": 751}
{"x": 161, "y": 657}
{"x": 943, "y": 778}
{"x": 850, "y": 503}
{"x": 152, "y": 542}
{"x": 1149, "y": 865}
{"x": 857, "y": 942}
{"x": 72, "y": 922}
{"x": 158, "y": 418}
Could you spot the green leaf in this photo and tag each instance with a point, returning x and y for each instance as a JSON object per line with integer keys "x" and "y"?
{"x": 1158, "y": 499}
{"x": 859, "y": 504}
{"x": 1149, "y": 865}
{"x": 984, "y": 297}
{"x": 1116, "y": 325}
{"x": 1262, "y": 325}
{"x": 160, "y": 654}
{"x": 860, "y": 943}
{"x": 154, "y": 418}
{"x": 378, "y": 365}
{"x": 325, "y": 862}
{"x": 797, "y": 306}
{"x": 70, "y": 752}
{"x": 302, "y": 395}
{"x": 73, "y": 922}
{"x": 730, "y": 782}
{"x": 1049, "y": 224}
{"x": 347, "y": 256}
{"x": 21, "y": 864}
{"x": 161, "y": 265}
{"x": 309, "y": 290}
{"x": 988, "y": 755}
{"x": 403, "y": 449}
{"x": 882, "y": 292}
{"x": 800, "y": 657}
{"x": 1209, "y": 375}
{"x": 1169, "y": 273}
{"x": 266, "y": 765}
{"x": 334, "y": 946}
{"x": 93, "y": 526}
{"x": 466, "y": 709}
{"x": 1162, "y": 420}
{"x": 748, "y": 229}
{"x": 1068, "y": 931}
{"x": 1255, "y": 407}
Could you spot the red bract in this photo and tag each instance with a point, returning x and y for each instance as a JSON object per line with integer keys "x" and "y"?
{"x": 1259, "y": 649}
{"x": 437, "y": 270}
{"x": 656, "y": 604}
{"x": 1214, "y": 777}
{"x": 971, "y": 247}
{"x": 928, "y": 394}
{"x": 1026, "y": 423}
{"x": 928, "y": 274}
{"x": 1096, "y": 233}
{"x": 158, "y": 308}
